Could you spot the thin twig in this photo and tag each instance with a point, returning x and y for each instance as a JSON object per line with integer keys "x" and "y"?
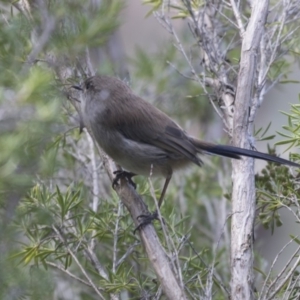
{"x": 74, "y": 257}
{"x": 66, "y": 271}
{"x": 49, "y": 24}
{"x": 169, "y": 241}
{"x": 238, "y": 18}
{"x": 270, "y": 270}
{"x": 289, "y": 274}
{"x": 116, "y": 238}
{"x": 95, "y": 181}
{"x": 127, "y": 253}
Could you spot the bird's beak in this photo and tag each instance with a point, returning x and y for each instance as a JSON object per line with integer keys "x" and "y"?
{"x": 77, "y": 87}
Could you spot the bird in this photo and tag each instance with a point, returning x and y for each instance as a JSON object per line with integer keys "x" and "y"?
{"x": 142, "y": 139}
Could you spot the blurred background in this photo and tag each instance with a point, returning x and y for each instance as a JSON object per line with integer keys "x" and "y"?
{"x": 43, "y": 155}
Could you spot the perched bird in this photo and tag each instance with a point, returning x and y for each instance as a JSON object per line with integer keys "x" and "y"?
{"x": 143, "y": 139}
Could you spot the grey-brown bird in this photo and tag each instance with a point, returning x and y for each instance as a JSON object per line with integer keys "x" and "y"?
{"x": 143, "y": 139}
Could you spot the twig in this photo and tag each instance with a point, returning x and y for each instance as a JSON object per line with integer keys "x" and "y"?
{"x": 116, "y": 239}
{"x": 270, "y": 270}
{"x": 167, "y": 24}
{"x": 127, "y": 253}
{"x": 91, "y": 256}
{"x": 170, "y": 243}
{"x": 289, "y": 274}
{"x": 238, "y": 17}
{"x": 49, "y": 23}
{"x": 291, "y": 288}
{"x": 224, "y": 288}
{"x": 74, "y": 257}
{"x": 62, "y": 269}
{"x": 95, "y": 181}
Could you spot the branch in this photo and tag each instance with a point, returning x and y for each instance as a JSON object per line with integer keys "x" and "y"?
{"x": 238, "y": 18}
{"x": 243, "y": 191}
{"x": 156, "y": 254}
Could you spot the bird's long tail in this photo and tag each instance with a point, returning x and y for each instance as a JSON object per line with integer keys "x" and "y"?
{"x": 235, "y": 152}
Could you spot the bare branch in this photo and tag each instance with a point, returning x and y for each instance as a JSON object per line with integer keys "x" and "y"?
{"x": 238, "y": 18}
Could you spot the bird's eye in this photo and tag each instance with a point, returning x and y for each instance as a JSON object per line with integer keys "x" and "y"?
{"x": 88, "y": 84}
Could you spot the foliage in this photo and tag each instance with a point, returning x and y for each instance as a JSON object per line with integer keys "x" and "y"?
{"x": 277, "y": 186}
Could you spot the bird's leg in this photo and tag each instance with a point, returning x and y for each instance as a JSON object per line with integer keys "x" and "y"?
{"x": 147, "y": 219}
{"x": 123, "y": 174}
{"x": 161, "y": 199}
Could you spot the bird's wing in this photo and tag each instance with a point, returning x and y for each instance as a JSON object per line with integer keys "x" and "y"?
{"x": 146, "y": 124}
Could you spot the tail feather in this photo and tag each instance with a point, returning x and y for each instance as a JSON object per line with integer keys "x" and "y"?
{"x": 235, "y": 152}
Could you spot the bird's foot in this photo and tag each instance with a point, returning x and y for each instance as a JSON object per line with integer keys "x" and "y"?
{"x": 123, "y": 174}
{"x": 147, "y": 219}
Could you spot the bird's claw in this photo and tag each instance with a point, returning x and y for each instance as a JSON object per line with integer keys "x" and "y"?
{"x": 123, "y": 174}
{"x": 147, "y": 219}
